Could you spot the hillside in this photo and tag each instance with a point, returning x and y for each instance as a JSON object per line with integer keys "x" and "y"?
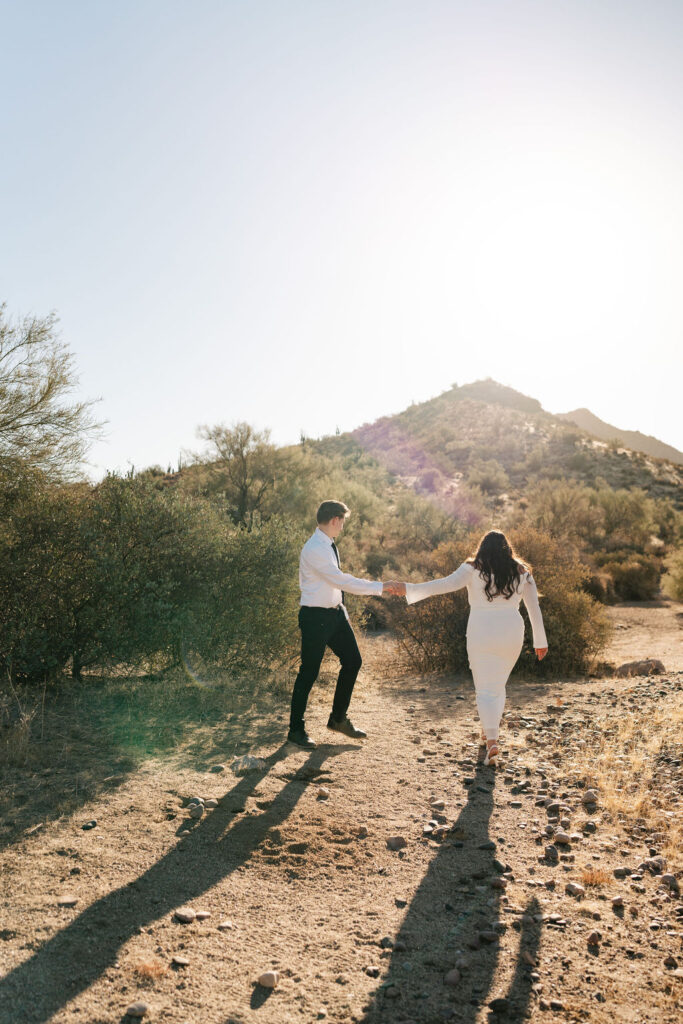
{"x": 592, "y": 424}
{"x": 491, "y": 437}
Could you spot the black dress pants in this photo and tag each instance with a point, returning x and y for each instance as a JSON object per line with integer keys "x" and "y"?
{"x": 321, "y": 628}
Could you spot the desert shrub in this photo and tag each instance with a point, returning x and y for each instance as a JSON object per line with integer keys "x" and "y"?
{"x": 600, "y": 585}
{"x": 629, "y": 517}
{"x": 125, "y": 573}
{"x": 433, "y": 632}
{"x": 565, "y": 510}
{"x": 635, "y": 575}
{"x": 672, "y": 580}
{"x": 489, "y": 475}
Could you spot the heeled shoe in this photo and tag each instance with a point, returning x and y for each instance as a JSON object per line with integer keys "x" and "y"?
{"x": 492, "y": 753}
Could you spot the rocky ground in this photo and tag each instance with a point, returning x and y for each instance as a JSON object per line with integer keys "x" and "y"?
{"x": 395, "y": 880}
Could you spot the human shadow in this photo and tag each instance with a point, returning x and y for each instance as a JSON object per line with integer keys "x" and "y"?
{"x": 86, "y": 739}
{"x": 77, "y": 955}
{"x": 455, "y": 922}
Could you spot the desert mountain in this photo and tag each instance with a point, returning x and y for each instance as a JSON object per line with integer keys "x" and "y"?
{"x": 592, "y": 424}
{"x": 491, "y": 437}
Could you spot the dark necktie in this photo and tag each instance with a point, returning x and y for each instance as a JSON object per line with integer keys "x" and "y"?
{"x": 336, "y": 555}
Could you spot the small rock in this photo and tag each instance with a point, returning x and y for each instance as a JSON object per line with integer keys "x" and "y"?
{"x": 386, "y": 942}
{"x": 590, "y": 797}
{"x": 401, "y": 901}
{"x": 671, "y": 882}
{"x": 437, "y": 805}
{"x": 137, "y": 1009}
{"x": 89, "y": 824}
{"x": 211, "y": 803}
{"x": 372, "y": 971}
{"x": 218, "y": 768}
{"x": 556, "y": 1004}
{"x": 201, "y": 915}
{"x": 671, "y": 961}
{"x": 269, "y": 979}
{"x": 528, "y": 958}
{"x": 562, "y": 839}
{"x": 453, "y": 977}
{"x": 499, "y": 1005}
{"x": 574, "y": 889}
{"x": 225, "y": 926}
{"x": 498, "y": 883}
{"x": 322, "y": 793}
{"x": 195, "y": 810}
{"x": 362, "y": 832}
{"x": 594, "y": 939}
{"x": 67, "y": 901}
{"x": 396, "y": 842}
{"x": 180, "y": 961}
{"x": 393, "y": 992}
{"x": 247, "y": 763}
{"x": 646, "y": 667}
{"x": 618, "y": 902}
{"x": 185, "y": 915}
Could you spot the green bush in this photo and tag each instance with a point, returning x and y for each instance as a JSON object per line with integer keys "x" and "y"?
{"x": 433, "y": 632}
{"x": 672, "y": 581}
{"x": 636, "y": 576}
{"x": 125, "y": 573}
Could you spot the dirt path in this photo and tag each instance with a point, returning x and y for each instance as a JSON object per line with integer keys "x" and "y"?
{"x": 305, "y": 884}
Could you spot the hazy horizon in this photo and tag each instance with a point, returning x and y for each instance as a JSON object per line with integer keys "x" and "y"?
{"x": 308, "y": 215}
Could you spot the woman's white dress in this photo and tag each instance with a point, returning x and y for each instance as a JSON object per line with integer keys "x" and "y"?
{"x": 495, "y": 633}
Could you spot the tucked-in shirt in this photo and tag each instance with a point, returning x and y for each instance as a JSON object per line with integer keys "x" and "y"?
{"x": 320, "y": 578}
{"x": 467, "y": 576}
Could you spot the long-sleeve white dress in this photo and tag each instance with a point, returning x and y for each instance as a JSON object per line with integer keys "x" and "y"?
{"x": 495, "y": 633}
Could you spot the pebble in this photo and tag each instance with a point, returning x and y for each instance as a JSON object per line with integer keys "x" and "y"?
{"x": 372, "y": 971}
{"x": 671, "y": 961}
{"x": 67, "y": 901}
{"x": 225, "y": 926}
{"x": 671, "y": 882}
{"x": 590, "y": 797}
{"x": 269, "y": 979}
{"x": 452, "y": 978}
{"x": 499, "y": 1005}
{"x": 218, "y": 768}
{"x": 362, "y": 832}
{"x": 185, "y": 915}
{"x": 618, "y": 902}
{"x": 574, "y": 889}
{"x": 556, "y": 1004}
{"x": 322, "y": 793}
{"x": 594, "y": 939}
{"x": 211, "y": 802}
{"x": 396, "y": 842}
{"x": 437, "y": 805}
{"x": 137, "y": 1009}
{"x": 201, "y": 915}
{"x": 196, "y": 810}
{"x": 89, "y": 824}
{"x": 180, "y": 961}
{"x": 562, "y": 838}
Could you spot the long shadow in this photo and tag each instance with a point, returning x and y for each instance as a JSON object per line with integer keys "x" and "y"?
{"x": 88, "y": 738}
{"x": 455, "y": 920}
{"x": 77, "y": 955}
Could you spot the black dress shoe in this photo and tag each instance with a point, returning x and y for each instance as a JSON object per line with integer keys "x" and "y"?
{"x": 301, "y": 738}
{"x": 347, "y": 727}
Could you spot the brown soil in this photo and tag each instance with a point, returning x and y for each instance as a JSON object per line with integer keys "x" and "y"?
{"x": 308, "y": 895}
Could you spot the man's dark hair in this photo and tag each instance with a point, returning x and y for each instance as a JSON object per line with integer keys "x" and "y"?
{"x": 331, "y": 509}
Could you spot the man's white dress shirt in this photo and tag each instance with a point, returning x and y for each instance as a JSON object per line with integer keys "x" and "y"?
{"x": 320, "y": 578}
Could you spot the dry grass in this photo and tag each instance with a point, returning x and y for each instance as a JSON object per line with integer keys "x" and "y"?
{"x": 149, "y": 971}
{"x": 626, "y": 760}
{"x": 591, "y": 876}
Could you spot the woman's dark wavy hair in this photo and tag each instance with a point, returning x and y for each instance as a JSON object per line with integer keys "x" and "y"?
{"x": 499, "y": 565}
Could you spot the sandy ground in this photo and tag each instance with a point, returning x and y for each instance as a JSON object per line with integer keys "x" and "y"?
{"x": 302, "y": 881}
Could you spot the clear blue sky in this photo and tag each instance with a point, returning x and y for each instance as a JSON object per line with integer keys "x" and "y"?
{"x": 308, "y": 214}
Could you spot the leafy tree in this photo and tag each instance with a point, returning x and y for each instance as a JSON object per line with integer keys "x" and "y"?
{"x": 39, "y": 423}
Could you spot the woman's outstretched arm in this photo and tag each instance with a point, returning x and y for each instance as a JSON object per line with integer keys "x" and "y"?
{"x": 530, "y": 598}
{"x": 458, "y": 579}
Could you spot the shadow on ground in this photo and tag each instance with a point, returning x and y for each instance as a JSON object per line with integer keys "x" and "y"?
{"x": 77, "y": 955}
{"x": 448, "y": 920}
{"x": 82, "y": 739}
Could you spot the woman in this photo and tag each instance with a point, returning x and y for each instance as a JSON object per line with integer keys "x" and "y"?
{"x": 496, "y": 580}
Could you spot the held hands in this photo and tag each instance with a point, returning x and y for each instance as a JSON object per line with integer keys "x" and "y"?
{"x": 541, "y": 652}
{"x": 394, "y": 587}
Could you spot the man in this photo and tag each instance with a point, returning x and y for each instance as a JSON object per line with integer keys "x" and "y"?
{"x": 324, "y": 622}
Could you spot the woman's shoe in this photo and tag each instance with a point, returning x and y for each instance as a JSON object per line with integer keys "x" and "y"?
{"x": 491, "y": 754}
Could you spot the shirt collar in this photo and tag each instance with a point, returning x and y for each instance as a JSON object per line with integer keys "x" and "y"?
{"x": 321, "y": 534}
